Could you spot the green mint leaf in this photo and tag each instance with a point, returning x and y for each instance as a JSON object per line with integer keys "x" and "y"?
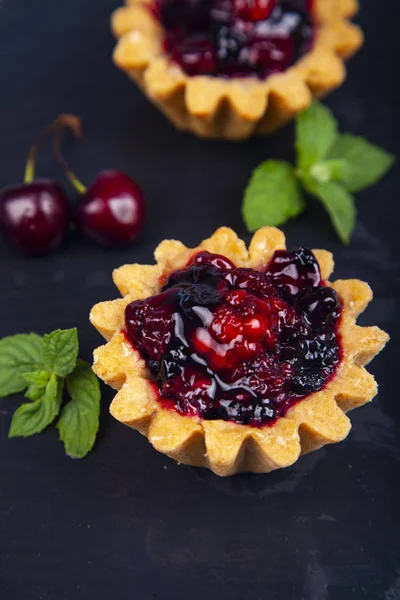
{"x": 329, "y": 170}
{"x": 366, "y": 163}
{"x": 35, "y": 416}
{"x": 340, "y": 206}
{"x": 272, "y": 196}
{"x": 316, "y": 130}
{"x": 18, "y": 354}
{"x": 60, "y": 351}
{"x": 37, "y": 381}
{"x": 79, "y": 421}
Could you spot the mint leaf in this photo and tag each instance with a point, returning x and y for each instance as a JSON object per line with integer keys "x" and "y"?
{"x": 19, "y": 354}
{"x": 272, "y": 196}
{"x": 316, "y": 130}
{"x": 340, "y": 206}
{"x": 79, "y": 419}
{"x": 34, "y": 417}
{"x": 60, "y": 351}
{"x": 329, "y": 170}
{"x": 365, "y": 162}
{"x": 37, "y": 381}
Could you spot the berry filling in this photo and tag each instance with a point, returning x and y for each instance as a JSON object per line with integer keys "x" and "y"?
{"x": 237, "y": 344}
{"x": 235, "y": 38}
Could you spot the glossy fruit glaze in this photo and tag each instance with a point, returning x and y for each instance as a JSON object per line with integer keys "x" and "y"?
{"x": 236, "y": 38}
{"x": 238, "y": 344}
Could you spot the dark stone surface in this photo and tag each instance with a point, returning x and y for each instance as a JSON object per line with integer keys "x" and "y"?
{"x": 127, "y": 522}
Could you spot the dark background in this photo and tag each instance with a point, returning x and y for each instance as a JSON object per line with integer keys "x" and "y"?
{"x": 127, "y": 522}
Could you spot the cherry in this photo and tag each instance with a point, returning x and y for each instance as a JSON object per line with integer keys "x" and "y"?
{"x": 189, "y": 389}
{"x": 156, "y": 312}
{"x": 247, "y": 279}
{"x": 215, "y": 260}
{"x": 196, "y": 56}
{"x": 274, "y": 55}
{"x": 112, "y": 210}
{"x": 254, "y": 10}
{"x": 34, "y": 216}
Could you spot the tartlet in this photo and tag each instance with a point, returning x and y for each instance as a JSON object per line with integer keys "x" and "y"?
{"x": 269, "y": 320}
{"x": 218, "y": 100}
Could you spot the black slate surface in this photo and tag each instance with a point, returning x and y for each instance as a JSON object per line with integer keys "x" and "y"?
{"x": 127, "y": 522}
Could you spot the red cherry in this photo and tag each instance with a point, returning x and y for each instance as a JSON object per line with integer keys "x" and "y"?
{"x": 34, "y": 216}
{"x": 196, "y": 56}
{"x": 273, "y": 54}
{"x": 112, "y": 210}
{"x": 215, "y": 260}
{"x": 254, "y": 10}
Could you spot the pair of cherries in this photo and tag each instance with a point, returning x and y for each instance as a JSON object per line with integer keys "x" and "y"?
{"x": 35, "y": 215}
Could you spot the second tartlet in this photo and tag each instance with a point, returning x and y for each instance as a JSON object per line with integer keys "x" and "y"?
{"x": 235, "y": 68}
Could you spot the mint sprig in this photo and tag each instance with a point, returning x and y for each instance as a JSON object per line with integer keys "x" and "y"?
{"x": 43, "y": 367}
{"x": 330, "y": 166}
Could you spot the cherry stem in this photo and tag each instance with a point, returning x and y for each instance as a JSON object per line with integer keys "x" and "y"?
{"x": 76, "y": 127}
{"x": 62, "y": 121}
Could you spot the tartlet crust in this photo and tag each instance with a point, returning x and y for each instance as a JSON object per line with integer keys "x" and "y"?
{"x": 226, "y": 447}
{"x": 234, "y": 109}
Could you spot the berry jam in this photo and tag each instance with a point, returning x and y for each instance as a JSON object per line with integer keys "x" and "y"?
{"x": 236, "y": 38}
{"x": 237, "y": 344}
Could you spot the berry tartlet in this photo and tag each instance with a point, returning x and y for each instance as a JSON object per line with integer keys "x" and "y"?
{"x": 234, "y": 68}
{"x": 236, "y": 359}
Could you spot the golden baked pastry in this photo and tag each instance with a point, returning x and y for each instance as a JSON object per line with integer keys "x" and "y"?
{"x": 236, "y": 359}
{"x": 242, "y": 72}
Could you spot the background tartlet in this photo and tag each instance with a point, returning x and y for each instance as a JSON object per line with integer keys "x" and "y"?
{"x": 234, "y": 109}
